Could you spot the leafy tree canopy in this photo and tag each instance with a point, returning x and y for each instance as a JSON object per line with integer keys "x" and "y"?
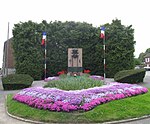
{"x": 29, "y": 54}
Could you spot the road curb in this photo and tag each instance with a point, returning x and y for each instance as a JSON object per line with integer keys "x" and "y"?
{"x": 127, "y": 120}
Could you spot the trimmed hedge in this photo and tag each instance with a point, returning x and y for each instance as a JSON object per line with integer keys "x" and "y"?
{"x": 130, "y": 76}
{"x": 63, "y": 35}
{"x": 16, "y": 81}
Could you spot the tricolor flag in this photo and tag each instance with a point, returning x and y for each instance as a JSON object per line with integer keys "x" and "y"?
{"x": 102, "y": 35}
{"x": 43, "y": 38}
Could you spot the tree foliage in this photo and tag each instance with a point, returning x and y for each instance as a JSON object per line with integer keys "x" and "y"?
{"x": 137, "y": 61}
{"x": 119, "y": 47}
{"x": 29, "y": 54}
{"x": 27, "y": 49}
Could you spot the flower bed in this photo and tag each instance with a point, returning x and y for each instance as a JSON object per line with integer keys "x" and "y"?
{"x": 59, "y": 100}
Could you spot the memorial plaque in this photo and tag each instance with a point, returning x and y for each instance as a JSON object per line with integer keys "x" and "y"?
{"x": 74, "y": 61}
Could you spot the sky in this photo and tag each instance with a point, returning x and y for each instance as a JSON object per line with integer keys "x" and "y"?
{"x": 95, "y": 12}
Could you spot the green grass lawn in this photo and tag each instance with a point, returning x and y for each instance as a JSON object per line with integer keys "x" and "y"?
{"x": 115, "y": 110}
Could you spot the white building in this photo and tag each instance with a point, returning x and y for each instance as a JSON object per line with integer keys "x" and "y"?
{"x": 147, "y": 61}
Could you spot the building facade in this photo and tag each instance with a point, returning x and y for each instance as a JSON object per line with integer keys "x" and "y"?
{"x": 8, "y": 58}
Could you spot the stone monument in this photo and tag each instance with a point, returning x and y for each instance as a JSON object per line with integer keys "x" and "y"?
{"x": 74, "y": 61}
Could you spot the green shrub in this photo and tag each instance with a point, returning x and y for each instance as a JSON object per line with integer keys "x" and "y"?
{"x": 130, "y": 76}
{"x": 16, "y": 81}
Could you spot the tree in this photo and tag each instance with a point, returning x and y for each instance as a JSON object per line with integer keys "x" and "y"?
{"x": 70, "y": 35}
{"x": 137, "y": 61}
{"x": 141, "y": 57}
{"x": 119, "y": 47}
{"x": 148, "y": 50}
{"x": 27, "y": 49}
{"x": 29, "y": 54}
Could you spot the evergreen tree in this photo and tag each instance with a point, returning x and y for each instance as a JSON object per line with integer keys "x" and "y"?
{"x": 29, "y": 54}
{"x": 119, "y": 47}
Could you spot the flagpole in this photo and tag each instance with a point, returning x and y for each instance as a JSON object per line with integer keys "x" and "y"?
{"x": 45, "y": 57}
{"x": 102, "y": 35}
{"x": 104, "y": 60}
{"x": 44, "y": 42}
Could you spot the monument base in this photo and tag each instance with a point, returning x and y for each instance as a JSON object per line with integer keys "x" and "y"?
{"x": 75, "y": 73}
{"x": 72, "y": 71}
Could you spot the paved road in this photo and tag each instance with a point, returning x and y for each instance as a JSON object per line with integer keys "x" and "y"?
{"x": 5, "y": 119}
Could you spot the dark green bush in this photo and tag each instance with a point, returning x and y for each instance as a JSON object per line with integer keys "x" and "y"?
{"x": 16, "y": 81}
{"x": 130, "y": 76}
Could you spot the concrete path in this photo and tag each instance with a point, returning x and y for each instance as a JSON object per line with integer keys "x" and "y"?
{"x": 5, "y": 119}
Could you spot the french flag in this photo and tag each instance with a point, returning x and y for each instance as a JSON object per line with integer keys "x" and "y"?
{"x": 43, "y": 38}
{"x": 102, "y": 35}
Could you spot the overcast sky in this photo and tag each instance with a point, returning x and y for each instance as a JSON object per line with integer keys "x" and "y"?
{"x": 96, "y": 12}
